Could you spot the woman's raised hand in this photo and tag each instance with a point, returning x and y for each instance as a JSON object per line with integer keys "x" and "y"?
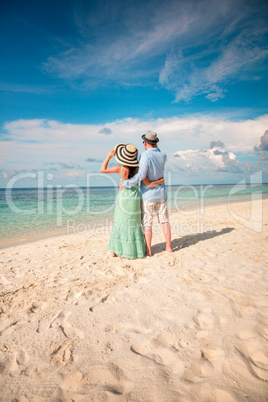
{"x": 111, "y": 153}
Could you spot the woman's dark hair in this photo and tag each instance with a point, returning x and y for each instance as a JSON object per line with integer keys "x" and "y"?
{"x": 132, "y": 171}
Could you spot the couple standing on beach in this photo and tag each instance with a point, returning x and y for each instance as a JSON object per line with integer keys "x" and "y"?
{"x": 127, "y": 237}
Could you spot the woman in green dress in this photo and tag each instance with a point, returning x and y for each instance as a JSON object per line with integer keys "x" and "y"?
{"x": 127, "y": 238}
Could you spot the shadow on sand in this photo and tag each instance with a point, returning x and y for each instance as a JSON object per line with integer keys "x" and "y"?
{"x": 189, "y": 240}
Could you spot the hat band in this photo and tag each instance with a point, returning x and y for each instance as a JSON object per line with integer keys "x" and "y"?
{"x": 147, "y": 139}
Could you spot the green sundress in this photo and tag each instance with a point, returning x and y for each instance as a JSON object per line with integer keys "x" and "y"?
{"x": 127, "y": 238}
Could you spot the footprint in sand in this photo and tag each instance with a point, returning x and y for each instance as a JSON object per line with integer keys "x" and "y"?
{"x": 8, "y": 327}
{"x": 63, "y": 354}
{"x": 37, "y": 306}
{"x": 72, "y": 297}
{"x": 127, "y": 327}
{"x": 16, "y": 361}
{"x": 260, "y": 359}
{"x": 262, "y": 329}
{"x": 252, "y": 352}
{"x": 236, "y": 308}
{"x": 164, "y": 356}
{"x": 3, "y": 281}
{"x": 259, "y": 364}
{"x": 97, "y": 303}
{"x": 111, "y": 379}
{"x": 207, "y": 366}
{"x": 214, "y": 356}
{"x": 59, "y": 320}
{"x": 71, "y": 332}
{"x": 205, "y": 319}
{"x": 46, "y": 322}
{"x": 185, "y": 350}
{"x": 68, "y": 330}
{"x": 199, "y": 371}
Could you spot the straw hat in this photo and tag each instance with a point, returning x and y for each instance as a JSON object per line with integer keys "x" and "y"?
{"x": 126, "y": 154}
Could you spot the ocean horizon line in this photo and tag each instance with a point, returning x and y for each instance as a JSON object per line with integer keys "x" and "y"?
{"x": 167, "y": 185}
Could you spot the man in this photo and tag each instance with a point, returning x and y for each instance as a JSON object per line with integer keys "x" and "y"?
{"x": 152, "y": 165}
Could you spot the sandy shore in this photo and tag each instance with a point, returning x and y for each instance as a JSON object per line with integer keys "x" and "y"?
{"x": 76, "y": 325}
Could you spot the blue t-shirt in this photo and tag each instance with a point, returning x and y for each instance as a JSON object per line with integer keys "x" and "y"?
{"x": 152, "y": 165}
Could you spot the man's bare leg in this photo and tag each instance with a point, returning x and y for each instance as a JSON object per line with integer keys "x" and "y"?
{"x": 148, "y": 233}
{"x": 167, "y": 234}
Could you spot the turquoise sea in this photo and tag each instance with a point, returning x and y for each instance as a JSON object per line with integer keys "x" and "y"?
{"x": 30, "y": 213}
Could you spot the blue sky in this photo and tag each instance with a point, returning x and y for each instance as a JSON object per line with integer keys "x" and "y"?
{"x": 77, "y": 77}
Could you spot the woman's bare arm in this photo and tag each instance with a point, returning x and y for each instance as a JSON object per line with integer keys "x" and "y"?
{"x": 114, "y": 169}
{"x": 152, "y": 184}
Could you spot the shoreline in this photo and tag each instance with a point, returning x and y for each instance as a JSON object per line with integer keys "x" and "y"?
{"x": 104, "y": 224}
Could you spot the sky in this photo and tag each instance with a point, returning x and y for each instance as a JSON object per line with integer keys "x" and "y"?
{"x": 78, "y": 77}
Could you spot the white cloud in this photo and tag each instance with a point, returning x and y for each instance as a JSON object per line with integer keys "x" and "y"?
{"x": 264, "y": 143}
{"x": 74, "y": 174}
{"x": 63, "y": 149}
{"x": 188, "y": 79}
{"x": 215, "y": 158}
{"x": 20, "y": 88}
{"x": 33, "y": 144}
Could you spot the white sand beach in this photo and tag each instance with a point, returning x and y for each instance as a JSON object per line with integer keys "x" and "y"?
{"x": 77, "y": 325}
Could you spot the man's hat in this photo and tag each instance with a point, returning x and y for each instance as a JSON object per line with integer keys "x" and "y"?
{"x": 150, "y": 137}
{"x": 126, "y": 154}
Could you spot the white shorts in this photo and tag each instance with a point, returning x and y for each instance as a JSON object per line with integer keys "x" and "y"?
{"x": 148, "y": 210}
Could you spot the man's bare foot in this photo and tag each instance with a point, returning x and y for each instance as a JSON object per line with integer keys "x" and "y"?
{"x": 149, "y": 253}
{"x": 169, "y": 249}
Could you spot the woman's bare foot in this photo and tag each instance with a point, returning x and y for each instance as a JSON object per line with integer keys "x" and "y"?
{"x": 148, "y": 253}
{"x": 169, "y": 249}
{"x": 112, "y": 255}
